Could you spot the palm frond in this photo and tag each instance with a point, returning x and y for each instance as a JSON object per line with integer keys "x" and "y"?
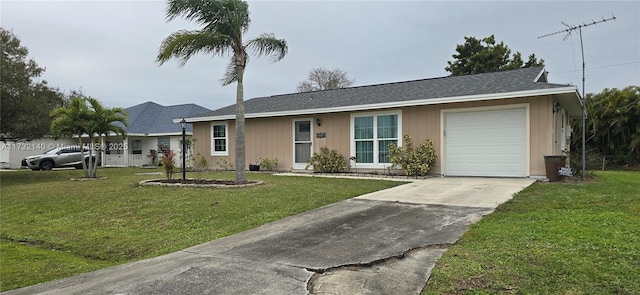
{"x": 230, "y": 74}
{"x": 223, "y": 16}
{"x": 267, "y": 44}
{"x": 183, "y": 44}
{"x": 71, "y": 120}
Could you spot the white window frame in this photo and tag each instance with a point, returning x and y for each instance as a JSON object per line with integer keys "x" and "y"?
{"x": 226, "y": 139}
{"x": 376, "y": 153}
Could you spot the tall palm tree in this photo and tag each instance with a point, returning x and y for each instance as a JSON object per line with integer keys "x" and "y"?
{"x": 102, "y": 123}
{"x": 224, "y": 21}
{"x": 72, "y": 121}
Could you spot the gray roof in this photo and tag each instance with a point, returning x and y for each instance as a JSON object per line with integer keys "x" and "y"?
{"x": 525, "y": 79}
{"x": 152, "y": 118}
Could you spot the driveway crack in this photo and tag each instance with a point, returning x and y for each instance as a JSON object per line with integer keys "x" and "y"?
{"x": 317, "y": 272}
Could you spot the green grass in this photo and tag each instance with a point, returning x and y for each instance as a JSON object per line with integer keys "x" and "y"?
{"x": 552, "y": 238}
{"x": 52, "y": 227}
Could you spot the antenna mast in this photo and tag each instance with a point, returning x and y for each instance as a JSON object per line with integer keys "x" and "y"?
{"x": 570, "y": 29}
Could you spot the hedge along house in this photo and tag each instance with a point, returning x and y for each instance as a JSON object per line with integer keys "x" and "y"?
{"x": 493, "y": 124}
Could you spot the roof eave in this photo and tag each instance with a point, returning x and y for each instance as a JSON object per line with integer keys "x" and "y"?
{"x": 397, "y": 104}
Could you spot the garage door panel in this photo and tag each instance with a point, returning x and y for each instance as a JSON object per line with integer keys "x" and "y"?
{"x": 486, "y": 143}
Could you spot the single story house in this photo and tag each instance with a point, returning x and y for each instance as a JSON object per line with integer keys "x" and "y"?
{"x": 499, "y": 124}
{"x": 150, "y": 127}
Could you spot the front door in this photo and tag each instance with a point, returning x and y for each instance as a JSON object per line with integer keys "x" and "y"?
{"x": 302, "y": 142}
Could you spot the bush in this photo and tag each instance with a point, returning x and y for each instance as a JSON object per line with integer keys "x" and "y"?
{"x": 269, "y": 164}
{"x": 169, "y": 164}
{"x": 413, "y": 161}
{"x": 327, "y": 161}
{"x": 200, "y": 164}
{"x": 224, "y": 164}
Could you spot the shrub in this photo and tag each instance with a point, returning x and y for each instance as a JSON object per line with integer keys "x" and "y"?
{"x": 169, "y": 163}
{"x": 327, "y": 161}
{"x": 413, "y": 161}
{"x": 225, "y": 164}
{"x": 269, "y": 164}
{"x": 199, "y": 164}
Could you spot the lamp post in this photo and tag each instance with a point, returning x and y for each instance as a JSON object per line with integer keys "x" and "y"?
{"x": 183, "y": 123}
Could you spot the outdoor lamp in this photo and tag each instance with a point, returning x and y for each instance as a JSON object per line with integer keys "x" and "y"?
{"x": 183, "y": 123}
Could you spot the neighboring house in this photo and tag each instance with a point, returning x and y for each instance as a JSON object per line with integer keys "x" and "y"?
{"x": 492, "y": 124}
{"x": 150, "y": 127}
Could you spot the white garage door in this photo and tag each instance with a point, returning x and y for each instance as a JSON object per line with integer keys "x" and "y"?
{"x": 486, "y": 143}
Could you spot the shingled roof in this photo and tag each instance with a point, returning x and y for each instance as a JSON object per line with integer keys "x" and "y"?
{"x": 151, "y": 118}
{"x": 504, "y": 84}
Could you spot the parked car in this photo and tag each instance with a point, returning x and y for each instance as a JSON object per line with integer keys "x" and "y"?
{"x": 70, "y": 156}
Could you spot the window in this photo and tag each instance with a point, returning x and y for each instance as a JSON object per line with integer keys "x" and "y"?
{"x": 219, "y": 139}
{"x": 164, "y": 144}
{"x": 372, "y": 135}
{"x": 137, "y": 147}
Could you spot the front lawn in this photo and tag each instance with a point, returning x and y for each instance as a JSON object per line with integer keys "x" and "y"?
{"x": 551, "y": 238}
{"x": 53, "y": 227}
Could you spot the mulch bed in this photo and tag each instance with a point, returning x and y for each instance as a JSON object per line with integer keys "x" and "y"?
{"x": 190, "y": 182}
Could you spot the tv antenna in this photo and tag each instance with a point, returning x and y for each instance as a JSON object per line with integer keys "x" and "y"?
{"x": 571, "y": 29}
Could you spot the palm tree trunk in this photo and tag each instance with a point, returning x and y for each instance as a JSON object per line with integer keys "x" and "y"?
{"x": 241, "y": 174}
{"x": 84, "y": 164}
{"x": 94, "y": 172}
{"x": 90, "y": 167}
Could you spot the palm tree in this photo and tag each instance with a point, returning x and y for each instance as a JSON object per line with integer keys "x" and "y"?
{"x": 224, "y": 21}
{"x": 72, "y": 121}
{"x": 101, "y": 123}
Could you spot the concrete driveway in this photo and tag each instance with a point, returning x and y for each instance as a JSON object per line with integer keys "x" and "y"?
{"x": 385, "y": 242}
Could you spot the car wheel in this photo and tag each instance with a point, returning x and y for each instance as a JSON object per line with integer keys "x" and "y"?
{"x": 46, "y": 165}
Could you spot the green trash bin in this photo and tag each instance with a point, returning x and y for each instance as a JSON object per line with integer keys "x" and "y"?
{"x": 552, "y": 166}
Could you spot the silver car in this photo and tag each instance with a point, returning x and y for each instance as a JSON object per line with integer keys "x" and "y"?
{"x": 70, "y": 156}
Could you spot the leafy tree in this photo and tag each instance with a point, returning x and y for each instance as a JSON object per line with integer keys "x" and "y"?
{"x": 86, "y": 116}
{"x": 323, "y": 79}
{"x": 474, "y": 57}
{"x": 224, "y": 22}
{"x": 612, "y": 126}
{"x": 25, "y": 102}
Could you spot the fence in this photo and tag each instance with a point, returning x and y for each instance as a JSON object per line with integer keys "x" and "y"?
{"x": 124, "y": 160}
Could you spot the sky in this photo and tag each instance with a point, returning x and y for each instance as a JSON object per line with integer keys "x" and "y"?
{"x": 108, "y": 48}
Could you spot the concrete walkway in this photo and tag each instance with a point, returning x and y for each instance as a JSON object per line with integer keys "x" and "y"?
{"x": 385, "y": 242}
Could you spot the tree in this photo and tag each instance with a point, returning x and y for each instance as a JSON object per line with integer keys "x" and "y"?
{"x": 323, "y": 79}
{"x": 86, "y": 116}
{"x": 102, "y": 123}
{"x": 25, "y": 103}
{"x": 224, "y": 21}
{"x": 612, "y": 125}
{"x": 474, "y": 57}
{"x": 72, "y": 121}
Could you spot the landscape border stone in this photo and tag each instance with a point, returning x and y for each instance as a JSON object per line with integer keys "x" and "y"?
{"x": 155, "y": 182}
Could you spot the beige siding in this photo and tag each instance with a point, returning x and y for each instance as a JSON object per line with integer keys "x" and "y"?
{"x": 337, "y": 131}
{"x": 273, "y": 137}
{"x": 270, "y": 138}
